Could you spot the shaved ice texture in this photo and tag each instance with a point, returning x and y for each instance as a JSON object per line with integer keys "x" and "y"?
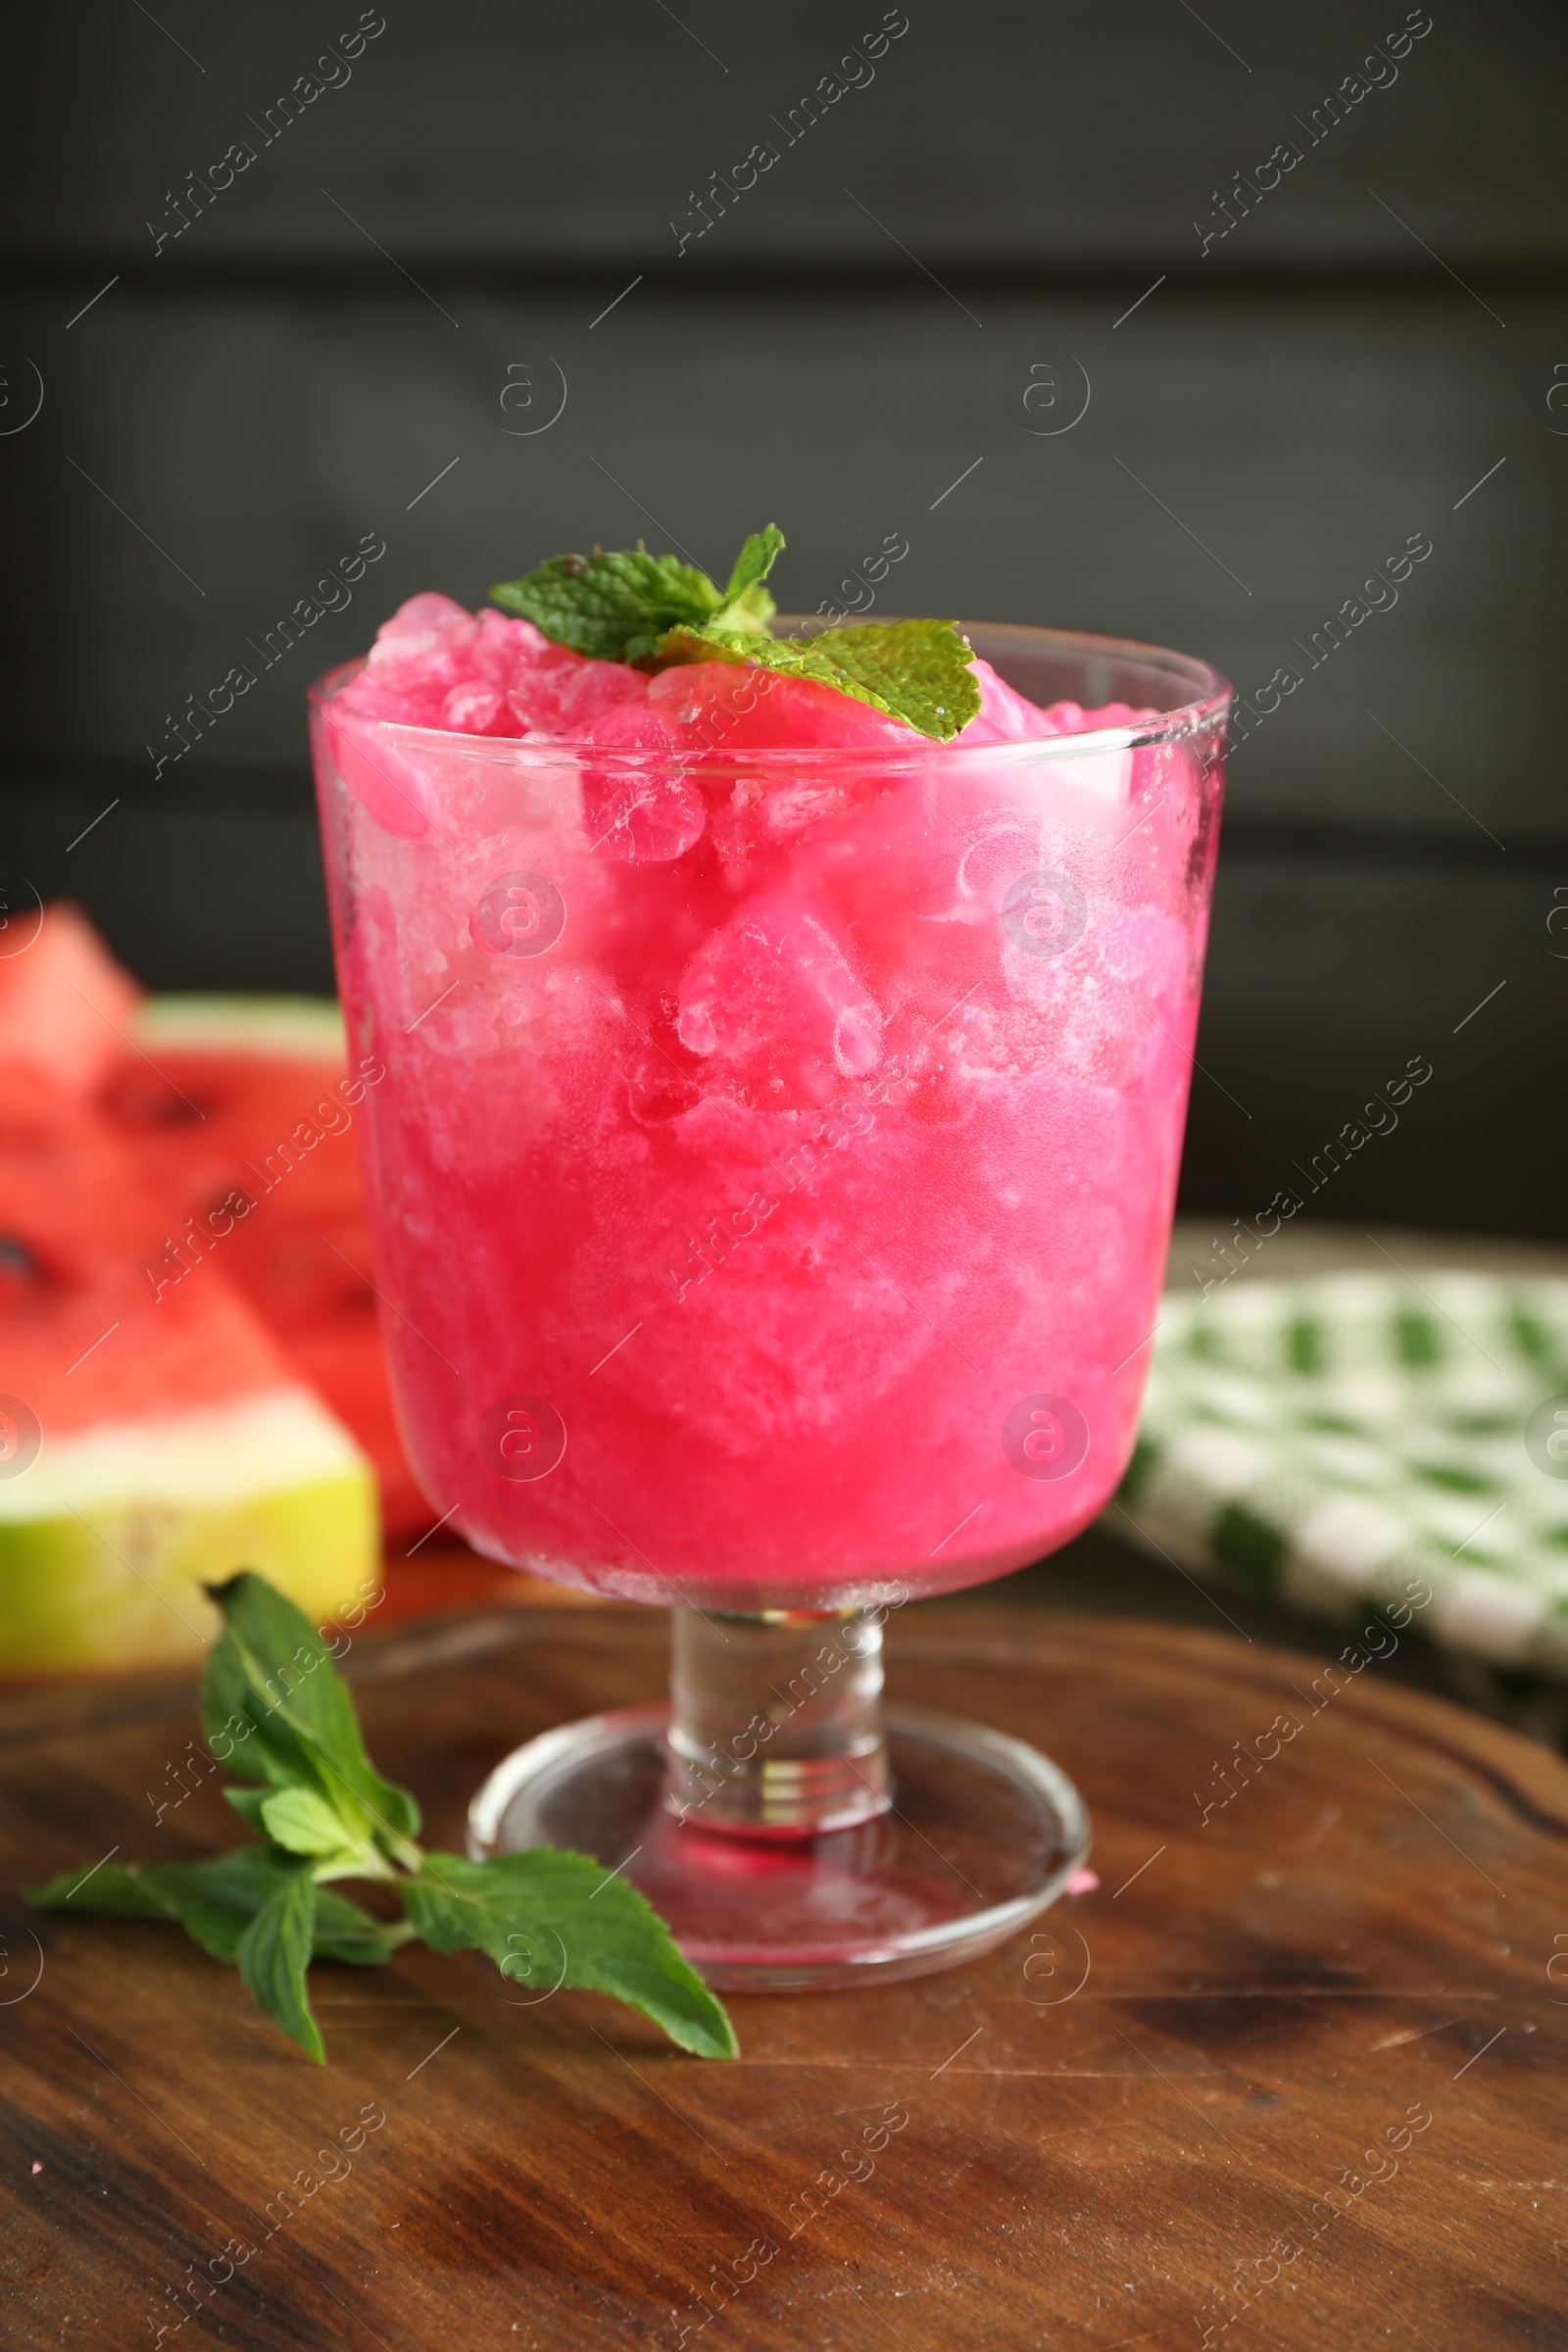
{"x": 771, "y": 1146}
{"x": 434, "y": 665}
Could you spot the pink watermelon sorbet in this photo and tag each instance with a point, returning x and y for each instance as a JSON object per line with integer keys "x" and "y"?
{"x": 435, "y": 664}
{"x": 773, "y": 1172}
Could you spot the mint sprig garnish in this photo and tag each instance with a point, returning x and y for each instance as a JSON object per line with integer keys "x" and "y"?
{"x": 652, "y": 611}
{"x": 271, "y": 1690}
{"x": 615, "y": 608}
{"x": 526, "y": 1910}
{"x": 916, "y": 670}
{"x": 271, "y": 1669}
{"x": 747, "y": 604}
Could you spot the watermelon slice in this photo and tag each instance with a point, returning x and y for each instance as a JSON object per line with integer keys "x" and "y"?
{"x": 65, "y": 1006}
{"x": 249, "y": 1100}
{"x": 191, "y": 1375}
{"x": 150, "y": 1439}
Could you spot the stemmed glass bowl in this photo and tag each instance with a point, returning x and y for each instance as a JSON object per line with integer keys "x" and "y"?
{"x": 770, "y": 1187}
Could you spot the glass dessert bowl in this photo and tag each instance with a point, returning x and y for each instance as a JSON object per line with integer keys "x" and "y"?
{"x": 770, "y": 1184}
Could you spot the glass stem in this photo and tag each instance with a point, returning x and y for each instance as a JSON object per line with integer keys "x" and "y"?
{"x": 776, "y": 1722}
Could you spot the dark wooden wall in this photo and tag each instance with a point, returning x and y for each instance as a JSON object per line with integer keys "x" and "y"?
{"x": 1376, "y": 335}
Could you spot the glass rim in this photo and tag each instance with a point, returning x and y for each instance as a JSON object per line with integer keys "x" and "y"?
{"x": 1209, "y": 698}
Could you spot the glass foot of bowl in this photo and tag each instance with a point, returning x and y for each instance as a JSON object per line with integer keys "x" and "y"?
{"x": 982, "y": 1833}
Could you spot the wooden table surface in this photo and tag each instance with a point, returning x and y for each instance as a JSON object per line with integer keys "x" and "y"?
{"x": 1291, "y": 2075}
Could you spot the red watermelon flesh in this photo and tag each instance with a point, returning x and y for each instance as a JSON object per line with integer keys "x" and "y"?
{"x": 194, "y": 1157}
{"x": 154, "y": 1439}
{"x": 204, "y": 1117}
{"x": 65, "y": 1004}
{"x": 82, "y": 1336}
{"x": 244, "y": 1121}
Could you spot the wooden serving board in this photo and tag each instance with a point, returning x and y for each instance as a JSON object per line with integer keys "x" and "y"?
{"x": 1292, "y": 2075}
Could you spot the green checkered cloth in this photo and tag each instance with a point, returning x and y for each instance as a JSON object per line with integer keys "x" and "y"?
{"x": 1338, "y": 1440}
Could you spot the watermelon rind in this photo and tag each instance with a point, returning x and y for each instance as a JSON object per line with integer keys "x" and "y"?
{"x": 311, "y": 1027}
{"x": 108, "y": 1538}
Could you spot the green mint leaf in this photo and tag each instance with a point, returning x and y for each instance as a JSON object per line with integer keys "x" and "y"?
{"x": 755, "y": 560}
{"x": 272, "y": 1955}
{"x": 343, "y": 1931}
{"x": 308, "y": 1824}
{"x": 916, "y": 670}
{"x": 271, "y": 1670}
{"x": 614, "y": 608}
{"x": 791, "y": 657}
{"x": 271, "y": 1693}
{"x": 123, "y": 1888}
{"x": 302, "y": 1822}
{"x": 750, "y": 614}
{"x": 532, "y": 1903}
{"x": 654, "y": 610}
{"x": 215, "y": 1900}
{"x": 747, "y": 603}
